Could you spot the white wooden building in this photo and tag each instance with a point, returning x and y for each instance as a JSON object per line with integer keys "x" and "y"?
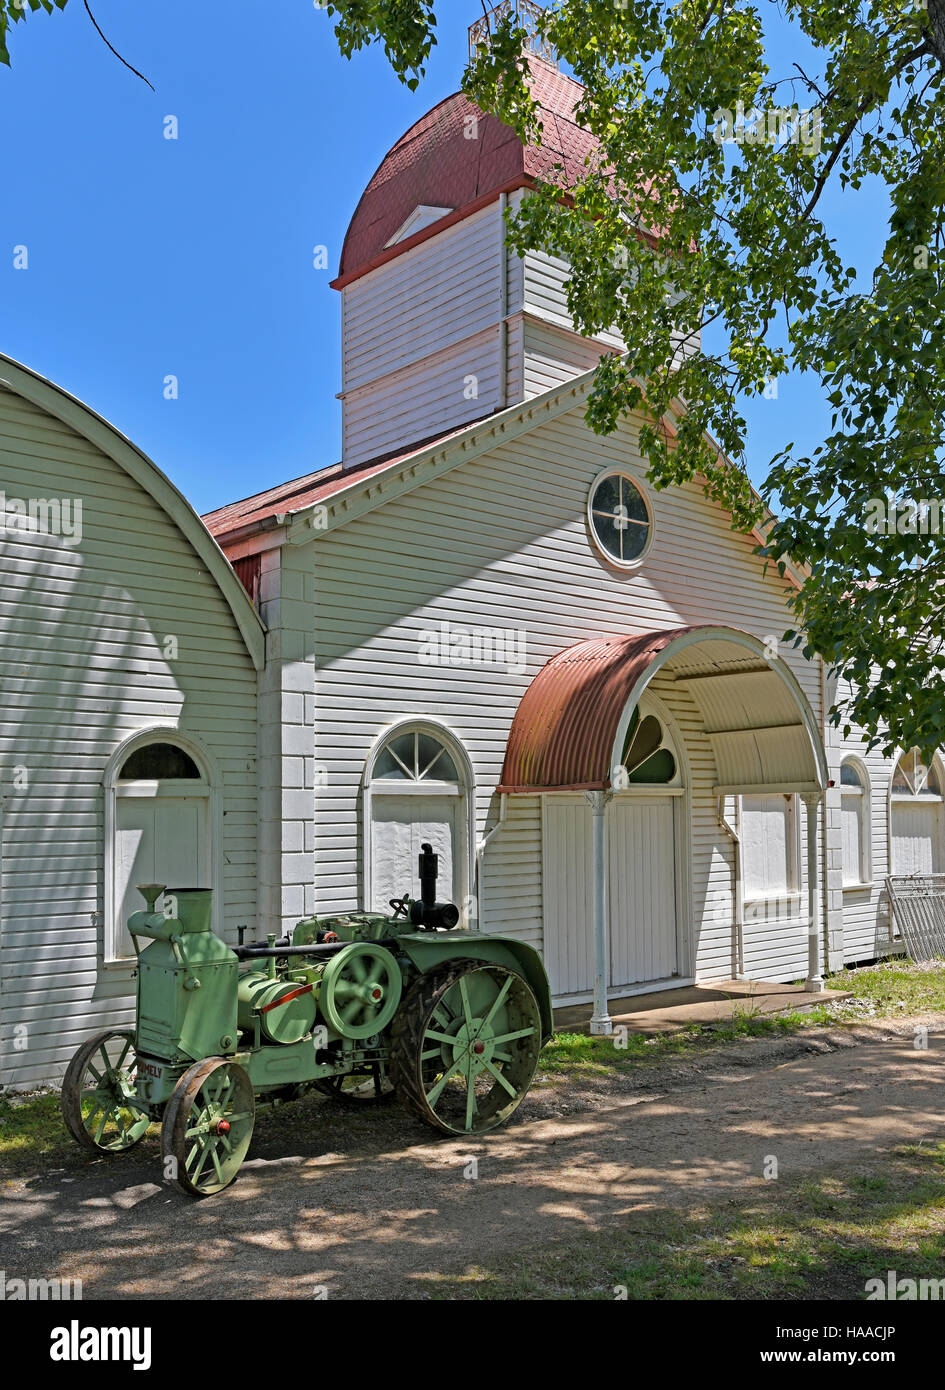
{"x": 128, "y": 723}
{"x": 500, "y": 638}
{"x": 481, "y": 628}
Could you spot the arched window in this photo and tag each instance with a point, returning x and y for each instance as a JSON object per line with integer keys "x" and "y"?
{"x": 855, "y": 824}
{"x": 417, "y": 756}
{"x": 915, "y": 816}
{"x": 417, "y": 789}
{"x": 158, "y": 827}
{"x": 648, "y": 754}
{"x": 648, "y": 758}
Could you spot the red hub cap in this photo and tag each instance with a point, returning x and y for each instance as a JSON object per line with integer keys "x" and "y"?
{"x": 479, "y": 1048}
{"x": 223, "y": 1127}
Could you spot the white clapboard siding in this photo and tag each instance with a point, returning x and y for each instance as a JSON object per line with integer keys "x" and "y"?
{"x": 429, "y": 298}
{"x": 545, "y": 277}
{"x": 83, "y": 667}
{"x": 552, "y": 355}
{"x": 458, "y": 385}
{"x": 502, "y": 542}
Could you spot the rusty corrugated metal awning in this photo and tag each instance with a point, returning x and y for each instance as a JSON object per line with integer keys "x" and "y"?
{"x": 563, "y": 733}
{"x": 755, "y": 715}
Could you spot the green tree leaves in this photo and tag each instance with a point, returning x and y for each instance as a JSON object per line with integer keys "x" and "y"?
{"x": 11, "y": 11}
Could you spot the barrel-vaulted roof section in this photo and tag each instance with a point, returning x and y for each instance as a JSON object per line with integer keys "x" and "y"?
{"x": 570, "y": 727}
{"x": 116, "y": 446}
{"x": 445, "y": 161}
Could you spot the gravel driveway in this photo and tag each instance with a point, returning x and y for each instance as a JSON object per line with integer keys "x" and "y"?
{"x": 374, "y": 1206}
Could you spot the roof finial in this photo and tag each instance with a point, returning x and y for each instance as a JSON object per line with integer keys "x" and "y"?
{"x": 528, "y": 15}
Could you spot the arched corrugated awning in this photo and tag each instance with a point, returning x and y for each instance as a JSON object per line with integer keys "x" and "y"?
{"x": 572, "y": 721}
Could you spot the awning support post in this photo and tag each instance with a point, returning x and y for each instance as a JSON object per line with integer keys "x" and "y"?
{"x": 601, "y": 1022}
{"x": 815, "y": 979}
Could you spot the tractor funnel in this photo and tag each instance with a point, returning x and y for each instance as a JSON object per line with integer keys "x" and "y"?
{"x": 194, "y": 907}
{"x": 150, "y": 892}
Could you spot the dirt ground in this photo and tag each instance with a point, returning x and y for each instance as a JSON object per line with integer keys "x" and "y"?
{"x": 371, "y": 1205}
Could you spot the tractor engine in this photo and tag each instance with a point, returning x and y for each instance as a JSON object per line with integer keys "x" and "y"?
{"x": 186, "y": 979}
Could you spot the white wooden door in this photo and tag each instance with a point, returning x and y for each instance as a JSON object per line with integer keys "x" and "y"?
{"x": 916, "y": 837}
{"x": 568, "y": 894}
{"x": 642, "y": 905}
{"x": 399, "y": 826}
{"x": 160, "y": 839}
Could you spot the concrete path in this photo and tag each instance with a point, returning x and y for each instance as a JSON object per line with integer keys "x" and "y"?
{"x": 710, "y": 1001}
{"x": 372, "y": 1206}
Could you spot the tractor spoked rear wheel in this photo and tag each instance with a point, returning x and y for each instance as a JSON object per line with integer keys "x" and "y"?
{"x": 98, "y": 1094}
{"x": 207, "y": 1126}
{"x": 368, "y": 1086}
{"x": 465, "y": 1046}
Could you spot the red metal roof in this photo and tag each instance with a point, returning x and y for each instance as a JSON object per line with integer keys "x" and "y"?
{"x": 435, "y": 164}
{"x": 300, "y": 493}
{"x": 562, "y": 736}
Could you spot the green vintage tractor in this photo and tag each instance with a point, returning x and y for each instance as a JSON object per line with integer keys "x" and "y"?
{"x": 363, "y": 1007}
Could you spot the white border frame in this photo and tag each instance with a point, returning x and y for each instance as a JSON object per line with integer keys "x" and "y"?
{"x": 865, "y": 796}
{"x": 464, "y": 790}
{"x": 159, "y": 733}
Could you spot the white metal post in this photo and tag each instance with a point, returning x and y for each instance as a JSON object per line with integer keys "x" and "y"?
{"x": 601, "y": 1021}
{"x": 815, "y": 980}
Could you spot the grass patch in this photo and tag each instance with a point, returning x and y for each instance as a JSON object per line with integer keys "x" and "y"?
{"x": 821, "y": 1237}
{"x": 891, "y": 990}
{"x": 33, "y": 1137}
{"x": 573, "y": 1055}
{"x": 895, "y": 987}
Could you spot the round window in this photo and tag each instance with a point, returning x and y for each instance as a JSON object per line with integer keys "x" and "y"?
{"x": 619, "y": 518}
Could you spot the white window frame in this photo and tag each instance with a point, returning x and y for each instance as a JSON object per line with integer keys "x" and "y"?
{"x": 895, "y": 798}
{"x": 626, "y": 566}
{"x": 464, "y": 789}
{"x": 791, "y": 896}
{"x": 207, "y": 787}
{"x": 862, "y": 795}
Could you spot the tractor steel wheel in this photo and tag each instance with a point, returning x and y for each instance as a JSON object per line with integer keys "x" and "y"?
{"x": 98, "y": 1094}
{"x": 207, "y": 1126}
{"x": 367, "y": 1086}
{"x": 465, "y": 1046}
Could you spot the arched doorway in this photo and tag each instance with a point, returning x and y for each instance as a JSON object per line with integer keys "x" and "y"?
{"x": 417, "y": 789}
{"x": 584, "y": 731}
{"x": 159, "y": 822}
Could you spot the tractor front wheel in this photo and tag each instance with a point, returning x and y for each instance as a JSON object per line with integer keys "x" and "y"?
{"x": 207, "y": 1126}
{"x": 465, "y": 1046}
{"x": 98, "y": 1094}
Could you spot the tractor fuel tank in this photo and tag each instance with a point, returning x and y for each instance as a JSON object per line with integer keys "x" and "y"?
{"x": 286, "y": 1009}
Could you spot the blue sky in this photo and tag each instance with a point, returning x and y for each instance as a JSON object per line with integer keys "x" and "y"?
{"x": 193, "y": 258}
